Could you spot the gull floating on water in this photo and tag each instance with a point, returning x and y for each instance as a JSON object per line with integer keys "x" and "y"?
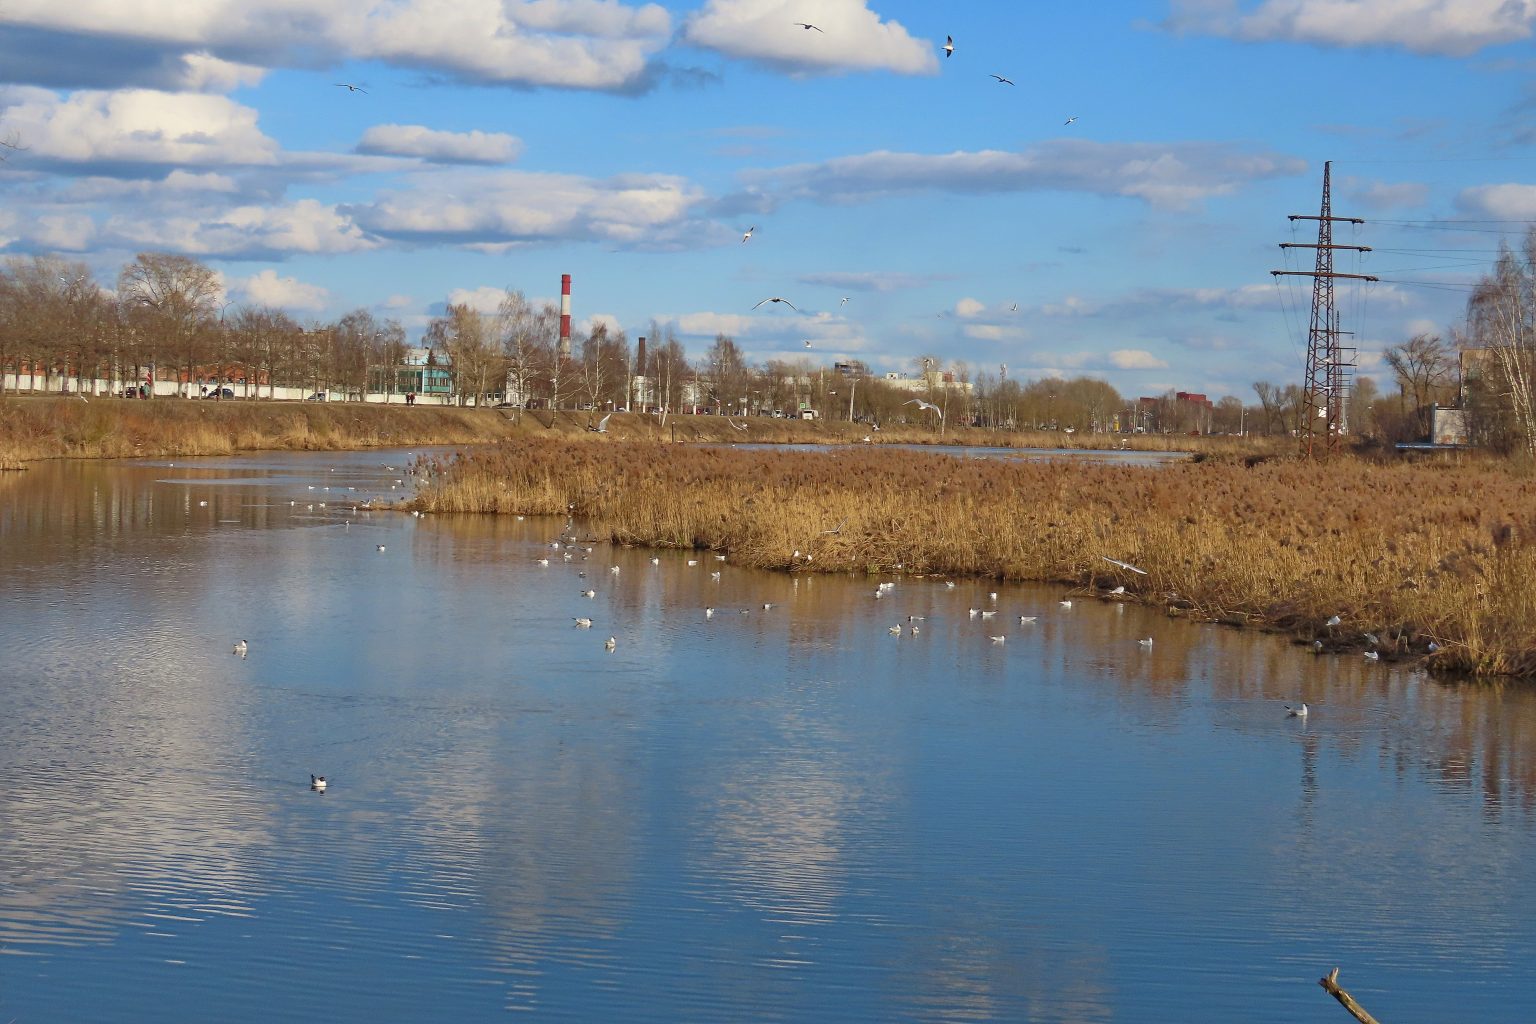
{"x": 1118, "y": 590}
{"x": 1296, "y": 712}
{"x": 655, "y": 561}
{"x": 693, "y": 561}
{"x": 589, "y": 593}
{"x": 583, "y": 622}
{"x": 1371, "y": 655}
{"x": 1145, "y": 641}
{"x": 611, "y": 643}
{"x": 317, "y": 783}
{"x": 541, "y": 561}
{"x": 1066, "y": 604}
{"x": 614, "y": 569}
{"x": 709, "y": 613}
{"x": 1025, "y": 620}
{"x": 240, "y": 648}
{"x": 997, "y": 639}
{"x": 894, "y": 631}
{"x": 380, "y": 547}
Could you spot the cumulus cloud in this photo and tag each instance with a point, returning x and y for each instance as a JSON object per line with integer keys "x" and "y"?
{"x": 136, "y": 127}
{"x": 484, "y": 299}
{"x": 1136, "y": 359}
{"x": 512, "y": 206}
{"x": 969, "y": 307}
{"x": 1173, "y": 175}
{"x": 474, "y": 147}
{"x": 267, "y": 289}
{"x": 710, "y": 324}
{"x": 579, "y": 44}
{"x": 305, "y": 226}
{"x": 1454, "y": 28}
{"x": 996, "y": 332}
{"x": 1501, "y": 202}
{"x": 852, "y": 37}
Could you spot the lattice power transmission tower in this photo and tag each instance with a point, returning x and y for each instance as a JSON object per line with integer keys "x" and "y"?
{"x": 1330, "y": 366}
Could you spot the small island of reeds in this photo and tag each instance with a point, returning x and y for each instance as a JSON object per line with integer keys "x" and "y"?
{"x": 1433, "y": 561}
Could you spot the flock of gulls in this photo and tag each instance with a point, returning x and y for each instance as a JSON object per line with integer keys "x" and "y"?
{"x": 949, "y": 51}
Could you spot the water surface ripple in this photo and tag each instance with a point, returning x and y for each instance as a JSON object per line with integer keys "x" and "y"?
{"x": 782, "y": 814}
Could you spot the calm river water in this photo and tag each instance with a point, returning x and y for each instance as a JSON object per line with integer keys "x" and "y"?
{"x": 768, "y": 815}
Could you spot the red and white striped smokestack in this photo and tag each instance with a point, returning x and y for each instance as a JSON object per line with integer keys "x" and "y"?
{"x": 565, "y": 315}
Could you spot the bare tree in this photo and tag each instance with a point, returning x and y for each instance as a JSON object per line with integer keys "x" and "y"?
{"x": 1425, "y": 374}
{"x": 1501, "y": 322}
{"x": 175, "y": 299}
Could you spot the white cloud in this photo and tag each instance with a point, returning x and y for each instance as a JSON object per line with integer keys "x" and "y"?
{"x": 267, "y": 289}
{"x": 710, "y": 324}
{"x": 65, "y": 232}
{"x": 484, "y": 299}
{"x": 205, "y": 73}
{"x": 968, "y": 307}
{"x": 995, "y": 332}
{"x": 1136, "y": 359}
{"x": 510, "y": 206}
{"x": 137, "y": 126}
{"x": 580, "y": 44}
{"x": 1451, "y": 27}
{"x": 306, "y": 226}
{"x": 475, "y": 147}
{"x": 607, "y": 320}
{"x": 852, "y": 37}
{"x": 397, "y": 302}
{"x": 1501, "y": 202}
{"x": 1174, "y": 175}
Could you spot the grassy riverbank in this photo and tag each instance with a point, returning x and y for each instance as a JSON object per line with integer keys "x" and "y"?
{"x": 1413, "y": 554}
{"x": 46, "y": 427}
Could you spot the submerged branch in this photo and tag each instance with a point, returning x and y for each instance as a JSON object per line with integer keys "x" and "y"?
{"x": 1330, "y": 983}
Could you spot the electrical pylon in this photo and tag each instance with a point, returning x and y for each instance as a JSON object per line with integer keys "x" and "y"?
{"x": 1328, "y": 371}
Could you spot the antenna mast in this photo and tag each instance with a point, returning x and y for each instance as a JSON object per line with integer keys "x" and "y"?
{"x": 1329, "y": 372}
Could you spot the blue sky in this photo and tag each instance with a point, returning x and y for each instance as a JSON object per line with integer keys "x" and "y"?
{"x": 501, "y": 143}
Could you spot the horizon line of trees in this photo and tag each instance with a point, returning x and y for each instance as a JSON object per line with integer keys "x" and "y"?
{"x": 168, "y": 314}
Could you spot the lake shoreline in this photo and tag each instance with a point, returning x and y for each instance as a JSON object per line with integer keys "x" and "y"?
{"x": 33, "y": 428}
{"x": 1393, "y": 561}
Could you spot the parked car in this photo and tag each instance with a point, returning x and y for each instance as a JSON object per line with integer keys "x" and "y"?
{"x": 318, "y": 396}
{"x": 220, "y": 393}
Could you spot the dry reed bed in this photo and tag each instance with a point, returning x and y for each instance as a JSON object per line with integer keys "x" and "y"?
{"x": 41, "y": 428}
{"x": 1411, "y": 553}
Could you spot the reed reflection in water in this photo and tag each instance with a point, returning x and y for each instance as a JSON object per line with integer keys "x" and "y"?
{"x": 770, "y": 814}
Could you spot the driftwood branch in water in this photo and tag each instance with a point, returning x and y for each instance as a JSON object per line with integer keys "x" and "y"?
{"x": 1330, "y": 985}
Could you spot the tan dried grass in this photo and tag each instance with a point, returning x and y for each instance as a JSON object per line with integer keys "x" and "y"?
{"x": 1411, "y": 553}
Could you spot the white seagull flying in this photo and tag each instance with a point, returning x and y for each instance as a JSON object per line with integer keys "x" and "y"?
{"x": 1002, "y": 80}
{"x": 1124, "y": 565}
{"x": 808, "y": 26}
{"x": 949, "y": 46}
{"x": 921, "y": 405}
{"x": 775, "y": 298}
{"x": 350, "y": 87}
{"x": 748, "y": 233}
{"x": 1069, "y": 120}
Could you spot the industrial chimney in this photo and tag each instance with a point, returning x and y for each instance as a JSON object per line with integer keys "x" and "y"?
{"x": 565, "y": 316}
